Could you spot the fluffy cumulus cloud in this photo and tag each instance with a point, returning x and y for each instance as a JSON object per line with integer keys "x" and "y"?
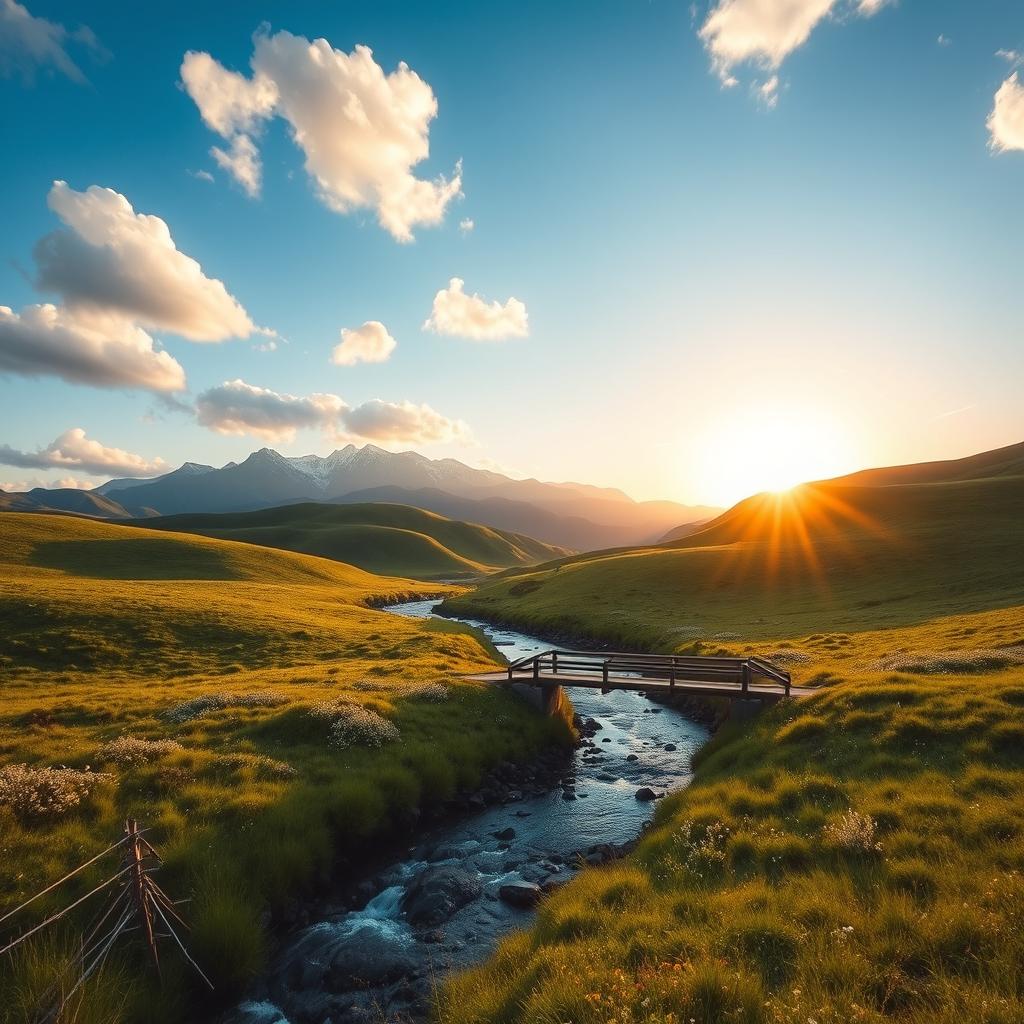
{"x": 402, "y": 421}
{"x": 469, "y": 316}
{"x": 74, "y": 451}
{"x": 764, "y": 32}
{"x": 113, "y": 259}
{"x": 1006, "y": 122}
{"x": 361, "y": 131}
{"x": 84, "y": 348}
{"x": 370, "y": 343}
{"x": 236, "y": 407}
{"x": 70, "y": 482}
{"x": 118, "y": 273}
{"x": 28, "y": 43}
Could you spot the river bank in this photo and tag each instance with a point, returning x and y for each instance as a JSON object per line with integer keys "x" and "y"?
{"x": 444, "y": 902}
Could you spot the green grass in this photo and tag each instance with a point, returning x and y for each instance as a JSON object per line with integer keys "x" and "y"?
{"x": 854, "y": 856}
{"x": 107, "y": 630}
{"x": 379, "y": 537}
{"x": 825, "y": 557}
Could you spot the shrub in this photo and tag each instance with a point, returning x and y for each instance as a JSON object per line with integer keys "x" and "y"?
{"x": 215, "y": 701}
{"x": 352, "y": 725}
{"x": 432, "y": 693}
{"x": 38, "y": 793}
{"x": 129, "y": 751}
{"x": 853, "y": 831}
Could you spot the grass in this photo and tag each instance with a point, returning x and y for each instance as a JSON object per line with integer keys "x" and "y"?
{"x": 212, "y": 658}
{"x": 825, "y": 556}
{"x": 854, "y": 856}
{"x": 379, "y": 537}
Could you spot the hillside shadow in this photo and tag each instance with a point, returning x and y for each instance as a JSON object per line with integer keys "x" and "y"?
{"x": 134, "y": 559}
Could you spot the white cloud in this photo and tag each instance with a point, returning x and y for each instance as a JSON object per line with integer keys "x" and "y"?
{"x": 28, "y": 42}
{"x": 1006, "y": 122}
{"x": 764, "y": 32}
{"x": 242, "y": 162}
{"x": 469, "y": 316}
{"x": 201, "y": 175}
{"x": 84, "y": 348}
{"x": 236, "y": 407}
{"x": 73, "y": 450}
{"x": 362, "y": 131}
{"x": 466, "y": 225}
{"x": 402, "y": 421}
{"x": 944, "y": 40}
{"x": 74, "y": 483}
{"x": 370, "y": 343}
{"x": 114, "y": 260}
{"x": 1012, "y": 57}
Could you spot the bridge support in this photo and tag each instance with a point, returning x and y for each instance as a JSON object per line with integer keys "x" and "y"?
{"x": 548, "y": 698}
{"x": 745, "y": 710}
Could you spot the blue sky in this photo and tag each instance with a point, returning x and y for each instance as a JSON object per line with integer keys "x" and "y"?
{"x": 826, "y": 265}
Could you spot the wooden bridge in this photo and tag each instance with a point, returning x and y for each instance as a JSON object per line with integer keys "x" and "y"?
{"x": 734, "y": 678}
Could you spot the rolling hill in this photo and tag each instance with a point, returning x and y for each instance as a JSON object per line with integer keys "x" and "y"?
{"x": 382, "y": 538}
{"x": 67, "y": 499}
{"x": 777, "y": 566}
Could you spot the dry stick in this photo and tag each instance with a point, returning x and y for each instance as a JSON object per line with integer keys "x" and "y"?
{"x": 184, "y": 951}
{"x": 139, "y": 880}
{"x": 61, "y": 881}
{"x": 67, "y": 909}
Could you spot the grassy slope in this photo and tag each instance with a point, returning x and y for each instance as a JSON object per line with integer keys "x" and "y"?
{"x": 379, "y": 537}
{"x": 750, "y": 900}
{"x": 825, "y": 557}
{"x": 106, "y": 629}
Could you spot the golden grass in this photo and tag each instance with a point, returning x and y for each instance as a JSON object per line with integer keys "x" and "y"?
{"x": 109, "y": 631}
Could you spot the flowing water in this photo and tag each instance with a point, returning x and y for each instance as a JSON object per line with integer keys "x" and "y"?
{"x": 397, "y": 961}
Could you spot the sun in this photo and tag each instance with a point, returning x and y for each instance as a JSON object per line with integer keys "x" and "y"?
{"x": 771, "y": 450}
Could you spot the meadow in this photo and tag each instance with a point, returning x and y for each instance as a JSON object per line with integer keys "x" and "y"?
{"x": 248, "y": 706}
{"x": 389, "y": 539}
{"x": 853, "y": 856}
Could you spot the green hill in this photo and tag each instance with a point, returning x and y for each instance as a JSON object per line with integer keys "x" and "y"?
{"x": 219, "y": 666}
{"x": 854, "y": 855}
{"x": 823, "y": 556}
{"x": 379, "y": 537}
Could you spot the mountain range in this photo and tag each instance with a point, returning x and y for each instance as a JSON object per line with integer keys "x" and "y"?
{"x": 570, "y": 515}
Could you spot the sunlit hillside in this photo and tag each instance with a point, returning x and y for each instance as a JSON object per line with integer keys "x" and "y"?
{"x": 826, "y": 556}
{"x": 192, "y": 683}
{"x": 380, "y": 537}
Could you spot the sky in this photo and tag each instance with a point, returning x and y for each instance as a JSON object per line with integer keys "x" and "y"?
{"x": 692, "y": 251}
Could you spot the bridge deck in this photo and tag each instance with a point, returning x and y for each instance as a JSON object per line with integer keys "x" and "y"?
{"x": 598, "y": 681}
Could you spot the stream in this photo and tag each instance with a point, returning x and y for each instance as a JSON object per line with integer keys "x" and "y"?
{"x": 464, "y": 885}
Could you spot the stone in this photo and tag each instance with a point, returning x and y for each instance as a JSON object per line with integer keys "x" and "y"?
{"x": 521, "y": 894}
{"x": 505, "y": 833}
{"x": 568, "y": 794}
{"x": 437, "y": 893}
{"x": 670, "y": 747}
{"x": 632, "y": 757}
{"x": 645, "y": 793}
{"x": 607, "y": 777}
{"x": 607, "y": 739}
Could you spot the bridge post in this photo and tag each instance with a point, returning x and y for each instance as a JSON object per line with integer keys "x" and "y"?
{"x": 536, "y": 667}
{"x": 746, "y": 676}
{"x": 554, "y": 663}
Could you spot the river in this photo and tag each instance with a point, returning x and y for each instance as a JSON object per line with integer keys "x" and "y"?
{"x": 537, "y": 839}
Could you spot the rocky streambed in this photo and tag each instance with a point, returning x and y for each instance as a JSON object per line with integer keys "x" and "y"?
{"x": 445, "y": 904}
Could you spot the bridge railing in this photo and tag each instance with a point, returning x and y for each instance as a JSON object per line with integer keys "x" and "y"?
{"x": 671, "y": 667}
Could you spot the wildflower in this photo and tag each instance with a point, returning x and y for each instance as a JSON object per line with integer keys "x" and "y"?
{"x": 38, "y": 793}
{"x": 853, "y": 831}
{"x": 129, "y": 751}
{"x": 215, "y": 701}
{"x": 352, "y": 725}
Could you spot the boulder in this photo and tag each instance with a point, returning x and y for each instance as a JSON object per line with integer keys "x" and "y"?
{"x": 632, "y": 757}
{"x": 670, "y": 747}
{"x": 505, "y": 833}
{"x": 646, "y": 793}
{"x": 521, "y": 894}
{"x": 437, "y": 893}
